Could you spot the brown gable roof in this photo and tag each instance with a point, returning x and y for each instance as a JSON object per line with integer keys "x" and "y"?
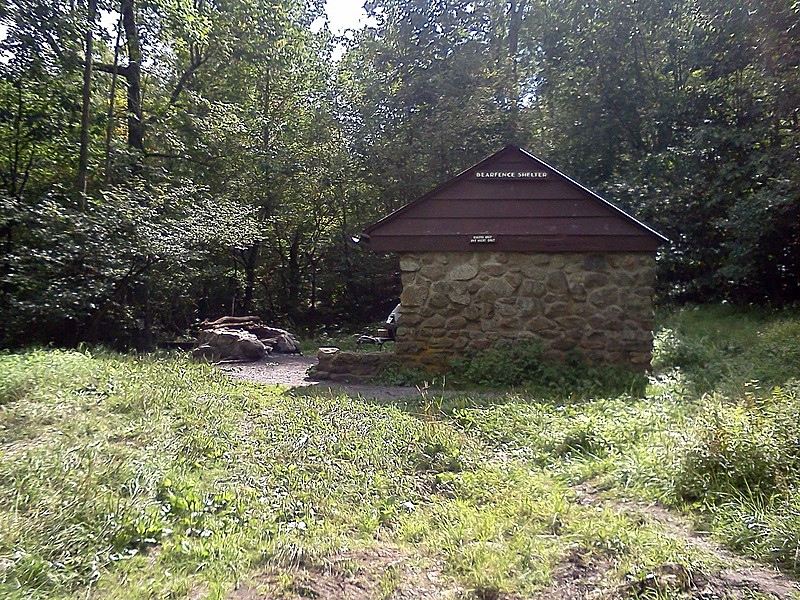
{"x": 511, "y": 202}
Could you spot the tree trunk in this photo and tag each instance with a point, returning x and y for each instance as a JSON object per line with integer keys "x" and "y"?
{"x": 112, "y": 94}
{"x": 83, "y": 155}
{"x": 250, "y": 263}
{"x": 293, "y": 277}
{"x": 311, "y": 319}
{"x": 133, "y": 75}
{"x": 18, "y": 166}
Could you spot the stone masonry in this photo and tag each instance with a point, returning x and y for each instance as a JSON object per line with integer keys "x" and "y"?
{"x": 598, "y": 305}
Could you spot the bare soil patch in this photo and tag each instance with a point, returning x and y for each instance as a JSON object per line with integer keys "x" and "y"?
{"x": 386, "y": 573}
{"x": 292, "y": 371}
{"x": 579, "y": 576}
{"x": 277, "y": 369}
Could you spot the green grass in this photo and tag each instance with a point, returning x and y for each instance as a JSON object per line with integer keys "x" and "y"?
{"x": 126, "y": 476}
{"x": 343, "y": 341}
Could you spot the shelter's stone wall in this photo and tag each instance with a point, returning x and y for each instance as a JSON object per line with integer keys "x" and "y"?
{"x": 599, "y": 305}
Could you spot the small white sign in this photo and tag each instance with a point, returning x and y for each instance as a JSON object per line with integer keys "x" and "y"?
{"x": 483, "y": 238}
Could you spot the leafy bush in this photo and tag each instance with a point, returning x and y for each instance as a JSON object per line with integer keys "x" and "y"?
{"x": 522, "y": 365}
{"x": 673, "y": 350}
{"x": 507, "y": 365}
{"x": 748, "y": 448}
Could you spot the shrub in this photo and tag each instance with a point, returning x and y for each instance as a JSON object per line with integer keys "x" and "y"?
{"x": 747, "y": 448}
{"x": 777, "y": 352}
{"x": 505, "y": 365}
{"x": 673, "y": 350}
{"x": 522, "y": 365}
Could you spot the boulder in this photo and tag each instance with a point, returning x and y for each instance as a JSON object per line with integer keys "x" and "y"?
{"x": 204, "y": 352}
{"x": 225, "y": 343}
{"x": 280, "y": 339}
{"x": 245, "y": 337}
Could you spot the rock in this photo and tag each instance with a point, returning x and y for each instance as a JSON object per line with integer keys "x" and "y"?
{"x": 501, "y": 287}
{"x": 250, "y": 349}
{"x": 414, "y": 296}
{"x": 599, "y": 304}
{"x": 409, "y": 265}
{"x": 493, "y": 269}
{"x": 458, "y": 297}
{"x": 463, "y": 272}
{"x": 242, "y": 338}
{"x": 271, "y": 338}
{"x": 352, "y": 367}
{"x": 596, "y": 280}
{"x": 435, "y": 320}
{"x": 229, "y": 343}
{"x": 204, "y": 352}
{"x": 556, "y": 282}
{"x": 595, "y": 262}
{"x": 281, "y": 340}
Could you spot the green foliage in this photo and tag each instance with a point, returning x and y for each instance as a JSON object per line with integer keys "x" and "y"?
{"x": 547, "y": 431}
{"x": 778, "y": 351}
{"x": 727, "y": 348}
{"x": 671, "y": 350}
{"x": 509, "y": 365}
{"x": 288, "y": 153}
{"x": 765, "y": 526}
{"x": 522, "y": 365}
{"x": 492, "y": 528}
{"x": 71, "y": 274}
{"x": 747, "y": 448}
{"x": 106, "y": 457}
{"x": 712, "y": 433}
{"x": 408, "y": 376}
{"x": 671, "y": 133}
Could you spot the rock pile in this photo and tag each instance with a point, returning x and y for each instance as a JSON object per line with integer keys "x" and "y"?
{"x": 242, "y": 338}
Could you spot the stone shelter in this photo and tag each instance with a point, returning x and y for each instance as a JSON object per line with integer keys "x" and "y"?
{"x": 512, "y": 249}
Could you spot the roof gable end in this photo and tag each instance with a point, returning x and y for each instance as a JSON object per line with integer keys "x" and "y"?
{"x": 511, "y": 201}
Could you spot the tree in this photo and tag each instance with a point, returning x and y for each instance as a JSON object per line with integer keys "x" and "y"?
{"x": 86, "y": 99}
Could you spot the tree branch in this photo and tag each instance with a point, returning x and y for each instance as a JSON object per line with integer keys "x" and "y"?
{"x": 113, "y": 69}
{"x": 180, "y": 157}
{"x": 197, "y": 60}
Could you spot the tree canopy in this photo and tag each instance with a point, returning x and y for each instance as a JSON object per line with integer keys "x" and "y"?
{"x": 164, "y": 161}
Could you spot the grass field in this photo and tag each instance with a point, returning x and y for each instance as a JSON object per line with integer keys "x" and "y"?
{"x": 149, "y": 477}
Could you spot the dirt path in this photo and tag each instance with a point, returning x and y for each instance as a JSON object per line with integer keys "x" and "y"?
{"x": 384, "y": 572}
{"x": 291, "y": 371}
{"x": 276, "y": 369}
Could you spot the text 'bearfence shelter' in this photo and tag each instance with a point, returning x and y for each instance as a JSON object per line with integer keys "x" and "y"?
{"x": 513, "y": 250}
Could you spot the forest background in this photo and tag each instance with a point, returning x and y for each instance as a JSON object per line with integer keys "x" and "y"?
{"x": 216, "y": 156}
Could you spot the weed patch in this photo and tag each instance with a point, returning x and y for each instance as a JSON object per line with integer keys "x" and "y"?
{"x": 749, "y": 447}
{"x": 522, "y": 365}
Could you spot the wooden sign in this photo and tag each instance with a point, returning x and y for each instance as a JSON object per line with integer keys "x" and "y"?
{"x": 506, "y": 175}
